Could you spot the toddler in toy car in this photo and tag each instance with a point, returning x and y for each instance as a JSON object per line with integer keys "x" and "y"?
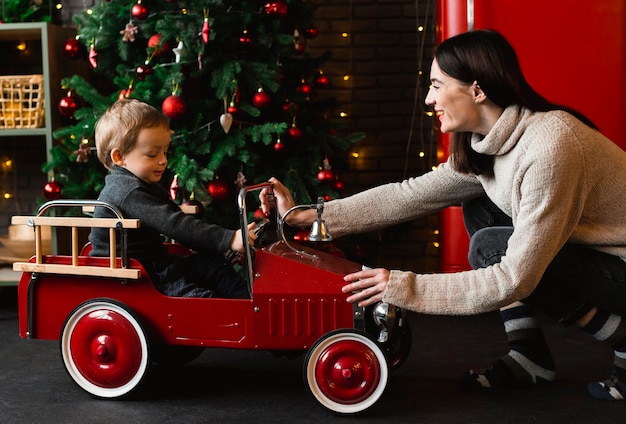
{"x": 132, "y": 139}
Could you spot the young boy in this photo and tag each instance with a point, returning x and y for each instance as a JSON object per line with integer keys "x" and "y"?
{"x": 132, "y": 139}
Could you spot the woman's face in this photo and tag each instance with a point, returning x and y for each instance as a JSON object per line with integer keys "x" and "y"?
{"x": 454, "y": 102}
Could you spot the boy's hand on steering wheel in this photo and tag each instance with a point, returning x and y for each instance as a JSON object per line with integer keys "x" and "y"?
{"x": 236, "y": 244}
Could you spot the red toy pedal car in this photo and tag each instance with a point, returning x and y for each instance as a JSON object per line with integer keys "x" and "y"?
{"x": 112, "y": 323}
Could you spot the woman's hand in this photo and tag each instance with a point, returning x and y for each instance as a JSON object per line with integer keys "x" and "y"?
{"x": 283, "y": 201}
{"x": 367, "y": 287}
{"x": 276, "y": 197}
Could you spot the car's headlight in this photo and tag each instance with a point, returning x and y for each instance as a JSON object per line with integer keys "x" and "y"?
{"x": 385, "y": 317}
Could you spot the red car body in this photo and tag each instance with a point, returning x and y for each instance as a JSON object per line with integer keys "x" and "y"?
{"x": 111, "y": 328}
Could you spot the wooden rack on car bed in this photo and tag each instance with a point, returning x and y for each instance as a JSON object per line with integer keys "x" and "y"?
{"x": 113, "y": 224}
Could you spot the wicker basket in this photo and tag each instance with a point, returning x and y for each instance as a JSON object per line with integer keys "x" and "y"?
{"x": 21, "y": 102}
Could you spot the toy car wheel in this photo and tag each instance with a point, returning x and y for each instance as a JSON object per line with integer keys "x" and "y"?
{"x": 346, "y": 371}
{"x": 104, "y": 348}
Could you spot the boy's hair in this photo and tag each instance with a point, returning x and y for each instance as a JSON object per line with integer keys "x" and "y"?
{"x": 120, "y": 125}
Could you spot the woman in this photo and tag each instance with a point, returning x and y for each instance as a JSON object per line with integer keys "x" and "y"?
{"x": 543, "y": 194}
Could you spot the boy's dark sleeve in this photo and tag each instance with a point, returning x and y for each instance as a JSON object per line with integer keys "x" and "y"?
{"x": 167, "y": 218}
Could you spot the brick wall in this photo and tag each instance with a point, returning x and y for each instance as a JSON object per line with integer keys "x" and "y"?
{"x": 385, "y": 95}
{"x": 381, "y": 55}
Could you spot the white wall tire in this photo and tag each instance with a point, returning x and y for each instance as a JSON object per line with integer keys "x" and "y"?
{"x": 104, "y": 349}
{"x": 346, "y": 371}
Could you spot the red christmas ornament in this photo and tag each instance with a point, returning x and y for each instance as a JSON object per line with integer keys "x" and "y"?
{"x": 295, "y": 132}
{"x": 310, "y": 32}
{"x": 52, "y": 190}
{"x": 67, "y": 106}
{"x": 93, "y": 57}
{"x": 232, "y": 109}
{"x": 278, "y": 146}
{"x": 218, "y": 190}
{"x": 154, "y": 42}
{"x": 245, "y": 38}
{"x": 174, "y": 188}
{"x": 301, "y": 235}
{"x": 325, "y": 175}
{"x": 339, "y": 186}
{"x": 174, "y": 107}
{"x": 305, "y": 88}
{"x": 261, "y": 99}
{"x": 125, "y": 93}
{"x": 72, "y": 49}
{"x": 139, "y": 11}
{"x": 322, "y": 81}
{"x": 290, "y": 107}
{"x": 276, "y": 8}
{"x": 299, "y": 47}
{"x": 143, "y": 71}
{"x": 206, "y": 30}
{"x": 258, "y": 214}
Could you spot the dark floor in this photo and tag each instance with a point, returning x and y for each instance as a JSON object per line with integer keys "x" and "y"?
{"x": 230, "y": 386}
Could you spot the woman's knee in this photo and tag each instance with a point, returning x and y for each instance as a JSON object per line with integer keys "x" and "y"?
{"x": 488, "y": 245}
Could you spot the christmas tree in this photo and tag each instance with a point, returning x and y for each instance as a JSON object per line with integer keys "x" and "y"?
{"x": 26, "y": 11}
{"x": 244, "y": 96}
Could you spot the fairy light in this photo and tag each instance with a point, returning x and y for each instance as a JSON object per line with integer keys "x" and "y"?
{"x": 21, "y": 46}
{"x": 7, "y": 195}
{"x": 347, "y": 76}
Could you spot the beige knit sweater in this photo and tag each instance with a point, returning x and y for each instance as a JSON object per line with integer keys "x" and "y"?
{"x": 559, "y": 181}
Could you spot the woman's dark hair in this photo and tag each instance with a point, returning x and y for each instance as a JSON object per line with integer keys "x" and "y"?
{"x": 486, "y": 57}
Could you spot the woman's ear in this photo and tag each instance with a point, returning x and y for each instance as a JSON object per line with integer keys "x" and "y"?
{"x": 117, "y": 157}
{"x": 479, "y": 94}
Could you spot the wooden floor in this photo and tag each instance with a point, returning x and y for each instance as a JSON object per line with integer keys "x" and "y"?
{"x": 229, "y": 386}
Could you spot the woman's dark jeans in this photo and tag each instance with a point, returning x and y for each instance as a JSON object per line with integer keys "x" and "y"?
{"x": 577, "y": 279}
